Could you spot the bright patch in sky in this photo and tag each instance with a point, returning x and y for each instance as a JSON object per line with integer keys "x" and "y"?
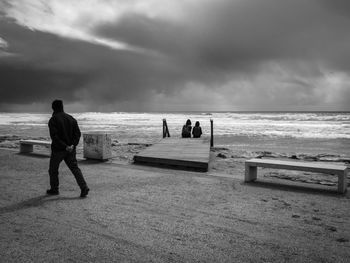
{"x": 76, "y": 19}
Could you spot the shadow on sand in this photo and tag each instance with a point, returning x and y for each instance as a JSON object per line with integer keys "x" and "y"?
{"x": 35, "y": 154}
{"x": 297, "y": 187}
{"x": 34, "y": 202}
{"x": 91, "y": 161}
{"x": 169, "y": 166}
{"x": 46, "y": 155}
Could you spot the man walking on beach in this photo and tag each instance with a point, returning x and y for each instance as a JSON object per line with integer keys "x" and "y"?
{"x": 65, "y": 135}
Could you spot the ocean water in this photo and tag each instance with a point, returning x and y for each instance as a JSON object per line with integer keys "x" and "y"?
{"x": 317, "y": 132}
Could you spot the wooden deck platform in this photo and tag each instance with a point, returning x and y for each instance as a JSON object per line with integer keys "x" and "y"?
{"x": 184, "y": 153}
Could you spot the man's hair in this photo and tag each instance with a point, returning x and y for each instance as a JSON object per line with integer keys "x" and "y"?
{"x": 57, "y": 105}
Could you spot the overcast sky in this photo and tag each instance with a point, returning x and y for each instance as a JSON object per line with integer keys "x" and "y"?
{"x": 166, "y": 55}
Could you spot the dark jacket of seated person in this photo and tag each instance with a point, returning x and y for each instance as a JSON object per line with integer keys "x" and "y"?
{"x": 197, "y": 130}
{"x": 186, "y": 130}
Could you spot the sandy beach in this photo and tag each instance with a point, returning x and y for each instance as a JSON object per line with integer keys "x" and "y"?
{"x": 140, "y": 214}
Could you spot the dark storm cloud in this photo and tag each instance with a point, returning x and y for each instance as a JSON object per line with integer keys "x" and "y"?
{"x": 230, "y": 39}
{"x": 39, "y": 68}
{"x": 220, "y": 52}
{"x": 46, "y": 66}
{"x": 341, "y": 7}
{"x": 232, "y": 35}
{"x": 23, "y": 84}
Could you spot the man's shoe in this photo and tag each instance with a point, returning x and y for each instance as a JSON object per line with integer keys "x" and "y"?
{"x": 84, "y": 192}
{"x": 52, "y": 192}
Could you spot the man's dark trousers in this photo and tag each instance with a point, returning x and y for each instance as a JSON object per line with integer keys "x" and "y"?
{"x": 72, "y": 163}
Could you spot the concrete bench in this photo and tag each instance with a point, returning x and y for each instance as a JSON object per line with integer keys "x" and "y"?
{"x": 26, "y": 146}
{"x": 251, "y": 170}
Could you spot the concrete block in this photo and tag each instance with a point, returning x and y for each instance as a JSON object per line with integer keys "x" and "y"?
{"x": 251, "y": 173}
{"x": 25, "y": 148}
{"x": 97, "y": 145}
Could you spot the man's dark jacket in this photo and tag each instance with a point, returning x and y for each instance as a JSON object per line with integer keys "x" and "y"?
{"x": 64, "y": 131}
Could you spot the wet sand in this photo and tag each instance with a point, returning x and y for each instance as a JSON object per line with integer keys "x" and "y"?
{"x": 141, "y": 214}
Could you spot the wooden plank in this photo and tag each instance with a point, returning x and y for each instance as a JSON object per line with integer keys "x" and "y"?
{"x": 300, "y": 166}
{"x": 181, "y": 152}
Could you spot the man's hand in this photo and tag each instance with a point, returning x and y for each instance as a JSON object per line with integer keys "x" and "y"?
{"x": 70, "y": 148}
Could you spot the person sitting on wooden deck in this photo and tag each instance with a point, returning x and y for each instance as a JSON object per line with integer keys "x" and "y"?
{"x": 186, "y": 129}
{"x": 197, "y": 130}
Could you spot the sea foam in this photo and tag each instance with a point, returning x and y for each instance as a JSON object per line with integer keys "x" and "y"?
{"x": 320, "y": 125}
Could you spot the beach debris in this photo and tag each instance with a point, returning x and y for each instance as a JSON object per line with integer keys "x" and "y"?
{"x": 331, "y": 228}
{"x": 221, "y": 155}
{"x": 285, "y": 203}
{"x": 9, "y": 144}
{"x": 316, "y": 218}
{"x": 296, "y": 216}
{"x": 9, "y": 141}
{"x": 342, "y": 239}
{"x": 346, "y": 161}
{"x": 237, "y": 156}
{"x": 323, "y": 157}
{"x": 139, "y": 144}
{"x": 216, "y": 149}
{"x": 328, "y": 157}
{"x": 9, "y": 138}
{"x": 114, "y": 142}
{"x": 261, "y": 154}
